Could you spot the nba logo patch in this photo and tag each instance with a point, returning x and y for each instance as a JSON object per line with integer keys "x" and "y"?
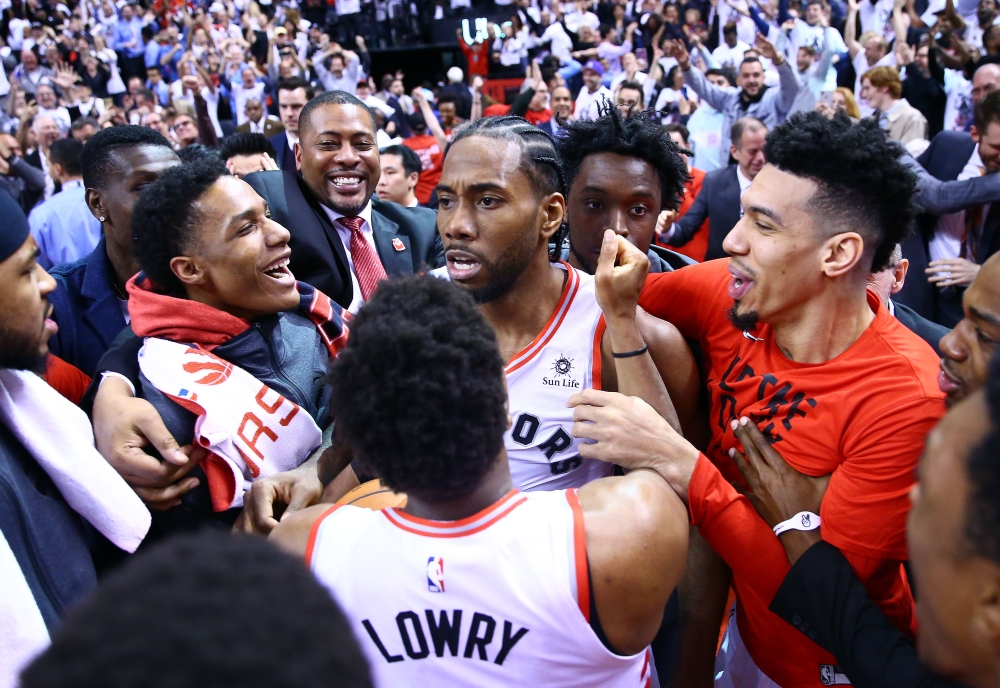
{"x": 435, "y": 574}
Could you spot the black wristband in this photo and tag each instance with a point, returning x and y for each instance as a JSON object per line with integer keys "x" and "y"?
{"x": 630, "y": 354}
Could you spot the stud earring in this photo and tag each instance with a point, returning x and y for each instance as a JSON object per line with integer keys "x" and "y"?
{"x": 101, "y": 218}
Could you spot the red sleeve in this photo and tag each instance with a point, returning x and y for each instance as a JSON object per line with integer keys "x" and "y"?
{"x": 755, "y": 555}
{"x": 694, "y": 299}
{"x": 66, "y": 379}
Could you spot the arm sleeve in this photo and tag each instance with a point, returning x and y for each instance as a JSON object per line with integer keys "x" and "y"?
{"x": 783, "y": 14}
{"x": 938, "y": 197}
{"x": 758, "y": 20}
{"x": 520, "y": 105}
{"x": 823, "y": 598}
{"x": 34, "y": 178}
{"x": 710, "y": 93}
{"x": 789, "y": 88}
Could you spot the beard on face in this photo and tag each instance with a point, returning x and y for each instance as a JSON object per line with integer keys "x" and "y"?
{"x": 504, "y": 271}
{"x": 744, "y": 322}
{"x": 19, "y": 351}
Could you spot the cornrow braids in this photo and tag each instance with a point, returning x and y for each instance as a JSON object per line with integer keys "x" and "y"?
{"x": 539, "y": 155}
{"x": 635, "y": 136}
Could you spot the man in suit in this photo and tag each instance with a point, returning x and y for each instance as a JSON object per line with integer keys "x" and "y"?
{"x": 258, "y": 122}
{"x": 293, "y": 94}
{"x": 889, "y": 281}
{"x": 698, "y": 245}
{"x": 952, "y": 246}
{"x": 344, "y": 241}
{"x": 561, "y": 102}
{"x": 719, "y": 199}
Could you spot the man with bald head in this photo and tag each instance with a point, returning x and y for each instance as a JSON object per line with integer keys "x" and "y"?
{"x": 344, "y": 241}
{"x": 985, "y": 81}
{"x": 46, "y": 132}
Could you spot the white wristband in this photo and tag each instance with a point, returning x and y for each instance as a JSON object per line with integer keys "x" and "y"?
{"x": 804, "y": 520}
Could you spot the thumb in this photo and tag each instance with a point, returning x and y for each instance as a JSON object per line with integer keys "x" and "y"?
{"x": 609, "y": 250}
{"x": 152, "y": 428}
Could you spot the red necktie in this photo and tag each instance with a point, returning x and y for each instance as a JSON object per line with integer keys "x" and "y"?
{"x": 367, "y": 265}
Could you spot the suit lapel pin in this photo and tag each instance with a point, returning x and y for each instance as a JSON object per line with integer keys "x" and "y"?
{"x": 398, "y": 244}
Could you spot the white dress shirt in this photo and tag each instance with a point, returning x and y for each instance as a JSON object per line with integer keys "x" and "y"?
{"x": 345, "y": 237}
{"x": 950, "y": 228}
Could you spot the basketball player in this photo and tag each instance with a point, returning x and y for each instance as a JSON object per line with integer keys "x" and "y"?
{"x": 501, "y": 201}
{"x": 474, "y": 583}
{"x": 832, "y": 380}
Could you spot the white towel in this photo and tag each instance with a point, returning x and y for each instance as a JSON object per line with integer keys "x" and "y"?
{"x": 58, "y": 435}
{"x": 22, "y": 629}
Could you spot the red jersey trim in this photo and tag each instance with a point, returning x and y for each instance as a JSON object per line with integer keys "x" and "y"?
{"x": 570, "y": 288}
{"x": 596, "y": 366}
{"x": 314, "y": 531}
{"x": 428, "y": 528}
{"x": 580, "y": 555}
{"x": 461, "y": 522}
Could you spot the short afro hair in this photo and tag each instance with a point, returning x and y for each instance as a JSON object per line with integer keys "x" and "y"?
{"x": 164, "y": 219}
{"x": 982, "y": 510}
{"x": 245, "y": 143}
{"x": 419, "y": 392}
{"x": 863, "y": 185}
{"x": 96, "y": 158}
{"x": 333, "y": 98}
{"x": 540, "y": 158}
{"x": 209, "y": 609}
{"x": 635, "y": 136}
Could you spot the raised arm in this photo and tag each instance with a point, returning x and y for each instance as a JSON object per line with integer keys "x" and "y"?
{"x": 432, "y": 122}
{"x": 938, "y": 197}
{"x": 851, "y": 29}
{"x": 710, "y": 93}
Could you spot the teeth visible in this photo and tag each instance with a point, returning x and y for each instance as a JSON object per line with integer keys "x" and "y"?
{"x": 346, "y": 181}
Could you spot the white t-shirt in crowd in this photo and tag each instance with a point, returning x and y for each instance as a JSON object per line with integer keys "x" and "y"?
{"x": 877, "y": 17}
{"x": 730, "y": 57}
{"x": 958, "y": 108}
{"x": 947, "y": 239}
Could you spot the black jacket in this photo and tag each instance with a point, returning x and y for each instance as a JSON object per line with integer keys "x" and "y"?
{"x": 929, "y": 331}
{"x": 406, "y": 239}
{"x": 286, "y": 158}
{"x": 719, "y": 201}
{"x": 49, "y": 540}
{"x": 823, "y": 598}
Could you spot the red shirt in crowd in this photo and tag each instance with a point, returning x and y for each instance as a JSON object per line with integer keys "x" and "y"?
{"x": 477, "y": 56}
{"x": 862, "y": 416}
{"x": 697, "y": 247}
{"x": 431, "y": 160}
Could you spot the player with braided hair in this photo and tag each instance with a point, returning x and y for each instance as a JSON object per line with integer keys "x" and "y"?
{"x": 502, "y": 204}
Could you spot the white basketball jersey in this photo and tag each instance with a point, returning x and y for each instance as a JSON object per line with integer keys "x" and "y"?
{"x": 565, "y": 358}
{"x": 501, "y": 598}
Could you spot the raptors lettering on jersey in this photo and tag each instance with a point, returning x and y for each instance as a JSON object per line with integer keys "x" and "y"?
{"x": 563, "y": 359}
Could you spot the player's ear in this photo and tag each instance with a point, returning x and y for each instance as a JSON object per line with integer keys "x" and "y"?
{"x": 553, "y": 210}
{"x": 841, "y": 253}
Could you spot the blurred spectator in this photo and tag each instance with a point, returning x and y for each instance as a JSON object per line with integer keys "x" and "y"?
{"x": 63, "y": 226}
{"x": 23, "y": 182}
{"x": 401, "y": 170}
{"x": 256, "y": 121}
{"x": 883, "y": 90}
{"x": 593, "y": 95}
{"x": 293, "y": 94}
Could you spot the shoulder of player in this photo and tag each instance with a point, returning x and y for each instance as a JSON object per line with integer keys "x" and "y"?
{"x": 660, "y": 336}
{"x": 905, "y": 358}
{"x": 700, "y": 278}
{"x": 294, "y": 532}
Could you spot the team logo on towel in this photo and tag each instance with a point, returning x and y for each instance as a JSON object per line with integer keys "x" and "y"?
{"x": 216, "y": 370}
{"x": 435, "y": 574}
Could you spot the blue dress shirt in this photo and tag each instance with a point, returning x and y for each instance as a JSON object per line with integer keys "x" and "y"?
{"x": 63, "y": 226}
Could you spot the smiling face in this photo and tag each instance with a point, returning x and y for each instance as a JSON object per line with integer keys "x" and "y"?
{"x": 25, "y": 325}
{"x": 238, "y": 263}
{"x": 751, "y": 78}
{"x": 611, "y": 191}
{"x": 967, "y": 349}
{"x": 338, "y": 157}
{"x": 447, "y": 111}
{"x": 562, "y": 102}
{"x": 592, "y": 79}
{"x": 957, "y": 606}
{"x": 46, "y": 96}
{"x": 492, "y": 221}
{"x": 989, "y": 145}
{"x": 775, "y": 247}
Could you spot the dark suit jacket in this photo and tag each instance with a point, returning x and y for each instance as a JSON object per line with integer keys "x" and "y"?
{"x": 34, "y": 158}
{"x": 272, "y": 127}
{"x": 87, "y": 309}
{"x": 286, "y": 158}
{"x": 719, "y": 201}
{"x": 318, "y": 255}
{"x": 823, "y": 599}
{"x": 945, "y": 159}
{"x": 929, "y": 331}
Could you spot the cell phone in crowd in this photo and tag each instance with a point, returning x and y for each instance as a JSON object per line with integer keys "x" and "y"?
{"x": 640, "y": 54}
{"x": 827, "y": 98}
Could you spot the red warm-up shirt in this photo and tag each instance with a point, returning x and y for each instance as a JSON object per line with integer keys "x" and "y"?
{"x": 431, "y": 160}
{"x": 862, "y": 416}
{"x": 697, "y": 247}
